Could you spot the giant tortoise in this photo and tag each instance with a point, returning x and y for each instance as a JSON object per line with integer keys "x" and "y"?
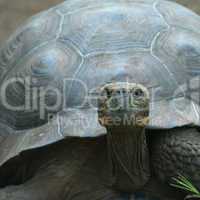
{"x": 100, "y": 98}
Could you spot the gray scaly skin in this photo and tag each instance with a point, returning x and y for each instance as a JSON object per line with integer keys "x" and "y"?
{"x": 122, "y": 103}
{"x": 106, "y": 166}
{"x": 62, "y": 172}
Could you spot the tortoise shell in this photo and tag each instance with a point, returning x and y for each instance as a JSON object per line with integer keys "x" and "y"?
{"x": 61, "y": 57}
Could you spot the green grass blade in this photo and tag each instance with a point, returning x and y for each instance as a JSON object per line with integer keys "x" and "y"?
{"x": 183, "y": 183}
{"x": 181, "y": 187}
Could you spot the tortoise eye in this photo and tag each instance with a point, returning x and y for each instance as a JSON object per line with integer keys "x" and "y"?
{"x": 124, "y": 91}
{"x": 138, "y": 93}
{"x": 108, "y": 93}
{"x": 118, "y": 92}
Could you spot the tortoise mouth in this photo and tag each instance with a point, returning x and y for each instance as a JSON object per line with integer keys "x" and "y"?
{"x": 124, "y": 118}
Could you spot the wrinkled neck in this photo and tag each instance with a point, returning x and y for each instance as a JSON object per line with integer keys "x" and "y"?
{"x": 128, "y": 157}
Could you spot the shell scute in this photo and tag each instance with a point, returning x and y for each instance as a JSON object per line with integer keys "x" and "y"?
{"x": 27, "y": 38}
{"x": 112, "y": 28}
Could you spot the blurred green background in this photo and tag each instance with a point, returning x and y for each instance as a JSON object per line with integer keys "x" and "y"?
{"x": 14, "y": 12}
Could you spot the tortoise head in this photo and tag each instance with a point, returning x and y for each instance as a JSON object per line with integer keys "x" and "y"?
{"x": 124, "y": 104}
{"x": 124, "y": 111}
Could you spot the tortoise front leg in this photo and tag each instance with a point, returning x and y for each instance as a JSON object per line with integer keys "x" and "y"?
{"x": 59, "y": 180}
{"x": 174, "y": 152}
{"x": 52, "y": 189}
{"x": 86, "y": 185}
{"x": 38, "y": 188}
